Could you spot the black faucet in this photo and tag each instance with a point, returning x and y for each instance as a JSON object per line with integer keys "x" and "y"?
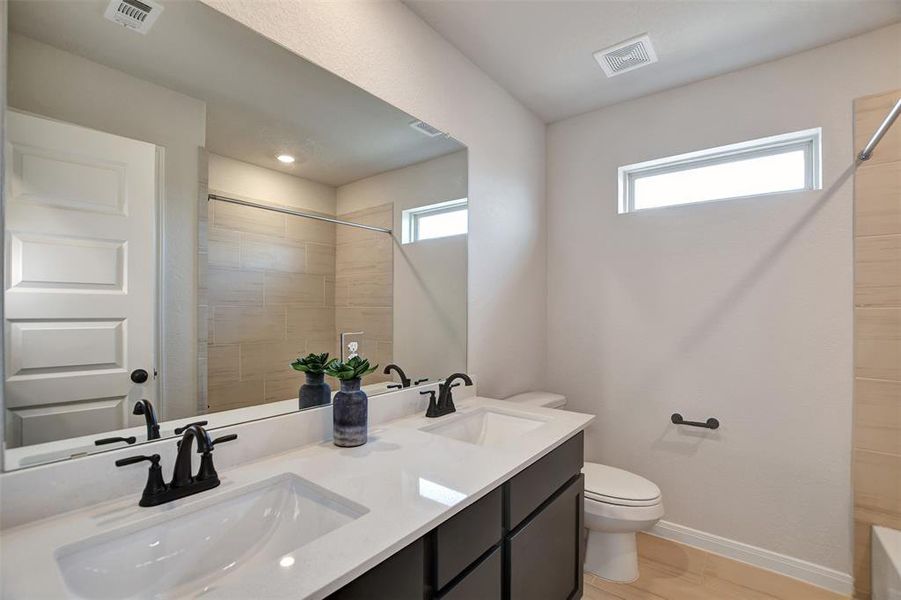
{"x": 144, "y": 407}
{"x": 445, "y": 403}
{"x": 183, "y": 483}
{"x": 404, "y": 380}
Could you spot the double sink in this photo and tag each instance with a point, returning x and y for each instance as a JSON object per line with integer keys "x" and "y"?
{"x": 195, "y": 549}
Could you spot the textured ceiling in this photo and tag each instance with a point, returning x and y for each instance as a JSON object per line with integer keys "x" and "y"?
{"x": 262, "y": 100}
{"x": 541, "y": 51}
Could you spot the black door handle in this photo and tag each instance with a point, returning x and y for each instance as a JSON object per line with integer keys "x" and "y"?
{"x": 139, "y": 376}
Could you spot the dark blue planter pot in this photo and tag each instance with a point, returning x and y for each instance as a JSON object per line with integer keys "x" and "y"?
{"x": 315, "y": 392}
{"x": 350, "y": 415}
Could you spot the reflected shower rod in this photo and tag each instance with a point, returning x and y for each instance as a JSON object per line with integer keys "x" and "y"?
{"x": 295, "y": 213}
{"x": 880, "y": 131}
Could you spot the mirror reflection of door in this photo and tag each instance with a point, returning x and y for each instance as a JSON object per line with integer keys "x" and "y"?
{"x": 80, "y": 278}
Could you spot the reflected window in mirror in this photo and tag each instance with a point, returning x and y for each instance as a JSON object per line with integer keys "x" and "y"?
{"x": 436, "y": 221}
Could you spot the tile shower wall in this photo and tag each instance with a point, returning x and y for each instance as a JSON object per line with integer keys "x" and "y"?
{"x": 364, "y": 285}
{"x": 877, "y": 335}
{"x": 269, "y": 292}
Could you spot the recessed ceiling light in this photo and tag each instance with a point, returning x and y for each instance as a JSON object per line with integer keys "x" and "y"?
{"x": 285, "y": 158}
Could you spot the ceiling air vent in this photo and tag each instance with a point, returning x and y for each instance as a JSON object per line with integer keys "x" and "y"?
{"x": 426, "y": 129}
{"x": 626, "y": 56}
{"x": 137, "y": 15}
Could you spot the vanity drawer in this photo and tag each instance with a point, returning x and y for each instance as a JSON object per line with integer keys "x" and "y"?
{"x": 537, "y": 483}
{"x": 466, "y": 536}
{"x": 482, "y": 583}
{"x": 400, "y": 577}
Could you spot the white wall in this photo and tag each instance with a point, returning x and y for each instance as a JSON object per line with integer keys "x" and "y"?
{"x": 387, "y": 50}
{"x": 739, "y": 310}
{"x": 60, "y": 85}
{"x": 250, "y": 182}
{"x": 429, "y": 276}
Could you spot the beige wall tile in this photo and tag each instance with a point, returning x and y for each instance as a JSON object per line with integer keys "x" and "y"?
{"x": 310, "y": 230}
{"x": 365, "y": 257}
{"x": 320, "y": 259}
{"x": 248, "y": 219}
{"x": 294, "y": 288}
{"x": 308, "y": 322}
{"x": 877, "y": 210}
{"x": 224, "y": 364}
{"x": 235, "y": 395}
{"x": 222, "y": 247}
{"x": 861, "y": 565}
{"x": 371, "y": 289}
{"x": 869, "y": 112}
{"x": 283, "y": 385}
{"x": 877, "y": 415}
{"x": 260, "y": 358}
{"x": 877, "y": 336}
{"x": 267, "y": 253}
{"x": 877, "y": 269}
{"x": 377, "y": 323}
{"x": 231, "y": 287}
{"x": 877, "y": 482}
{"x": 375, "y": 216}
{"x": 233, "y": 324}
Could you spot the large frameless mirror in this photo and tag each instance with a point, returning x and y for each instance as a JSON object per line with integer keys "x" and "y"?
{"x": 174, "y": 240}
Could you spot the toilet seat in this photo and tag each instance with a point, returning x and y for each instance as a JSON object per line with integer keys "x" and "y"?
{"x": 618, "y": 487}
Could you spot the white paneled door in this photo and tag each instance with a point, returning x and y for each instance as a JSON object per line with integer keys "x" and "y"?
{"x": 80, "y": 278}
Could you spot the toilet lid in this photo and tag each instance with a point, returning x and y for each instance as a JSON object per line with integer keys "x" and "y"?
{"x": 615, "y": 486}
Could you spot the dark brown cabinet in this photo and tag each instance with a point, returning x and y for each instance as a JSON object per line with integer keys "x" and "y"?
{"x": 520, "y": 542}
{"x": 545, "y": 553}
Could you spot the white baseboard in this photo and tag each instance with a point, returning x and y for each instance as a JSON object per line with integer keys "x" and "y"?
{"x": 836, "y": 581}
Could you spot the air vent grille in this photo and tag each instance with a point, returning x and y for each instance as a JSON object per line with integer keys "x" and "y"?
{"x": 626, "y": 56}
{"x": 137, "y": 15}
{"x": 426, "y": 129}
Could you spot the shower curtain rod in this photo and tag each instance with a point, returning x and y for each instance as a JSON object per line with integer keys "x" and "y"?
{"x": 880, "y": 131}
{"x": 295, "y": 213}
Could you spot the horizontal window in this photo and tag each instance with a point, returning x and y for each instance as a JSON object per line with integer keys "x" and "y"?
{"x": 435, "y": 221}
{"x": 778, "y": 164}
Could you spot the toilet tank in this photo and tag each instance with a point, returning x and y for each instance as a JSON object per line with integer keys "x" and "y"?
{"x": 547, "y": 399}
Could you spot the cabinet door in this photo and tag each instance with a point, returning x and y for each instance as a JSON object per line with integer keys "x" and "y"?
{"x": 545, "y": 553}
{"x": 482, "y": 583}
{"x": 400, "y": 577}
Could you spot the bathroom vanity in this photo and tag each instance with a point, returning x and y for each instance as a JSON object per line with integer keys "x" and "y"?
{"x": 524, "y": 538}
{"x": 481, "y": 503}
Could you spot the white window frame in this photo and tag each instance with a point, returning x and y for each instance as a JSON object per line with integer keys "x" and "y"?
{"x": 410, "y": 217}
{"x": 808, "y": 140}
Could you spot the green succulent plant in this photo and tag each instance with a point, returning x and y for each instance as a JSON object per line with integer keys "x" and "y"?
{"x": 354, "y": 368}
{"x": 315, "y": 364}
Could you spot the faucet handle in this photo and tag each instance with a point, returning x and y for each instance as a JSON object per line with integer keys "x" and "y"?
{"x": 225, "y": 438}
{"x": 112, "y": 440}
{"x": 155, "y": 484}
{"x": 395, "y": 386}
{"x": 432, "y": 410}
{"x": 418, "y": 381}
{"x": 181, "y": 430}
{"x": 154, "y": 459}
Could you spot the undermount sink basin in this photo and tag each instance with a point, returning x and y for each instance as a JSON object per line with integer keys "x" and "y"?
{"x": 194, "y": 549}
{"x": 485, "y": 426}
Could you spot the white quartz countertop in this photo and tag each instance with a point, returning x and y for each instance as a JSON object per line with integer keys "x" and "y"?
{"x": 409, "y": 481}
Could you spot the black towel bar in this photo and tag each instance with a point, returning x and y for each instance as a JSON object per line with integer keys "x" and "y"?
{"x": 710, "y": 423}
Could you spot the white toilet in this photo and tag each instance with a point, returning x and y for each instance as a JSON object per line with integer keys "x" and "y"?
{"x": 617, "y": 505}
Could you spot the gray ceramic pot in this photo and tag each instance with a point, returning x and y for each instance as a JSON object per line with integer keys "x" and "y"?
{"x": 315, "y": 392}
{"x": 350, "y": 414}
